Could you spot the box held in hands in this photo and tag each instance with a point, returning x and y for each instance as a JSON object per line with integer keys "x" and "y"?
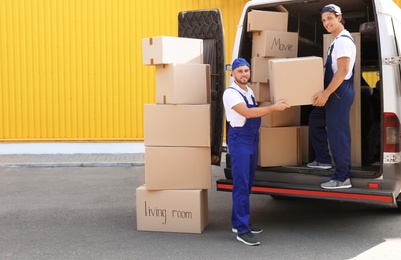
{"x": 296, "y": 79}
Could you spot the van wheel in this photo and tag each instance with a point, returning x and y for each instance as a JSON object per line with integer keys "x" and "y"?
{"x": 227, "y": 173}
{"x": 279, "y": 197}
{"x": 228, "y": 160}
{"x": 398, "y": 200}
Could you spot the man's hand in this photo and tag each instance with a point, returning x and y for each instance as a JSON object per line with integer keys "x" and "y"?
{"x": 320, "y": 99}
{"x": 281, "y": 105}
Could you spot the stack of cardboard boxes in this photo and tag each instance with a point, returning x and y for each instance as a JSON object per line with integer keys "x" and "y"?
{"x": 177, "y": 138}
{"x": 277, "y": 73}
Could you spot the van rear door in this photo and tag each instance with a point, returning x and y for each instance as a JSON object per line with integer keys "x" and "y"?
{"x": 389, "y": 33}
{"x": 397, "y": 37}
{"x": 208, "y": 25}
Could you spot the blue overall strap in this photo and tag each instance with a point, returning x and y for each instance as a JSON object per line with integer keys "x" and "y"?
{"x": 331, "y": 50}
{"x": 251, "y": 123}
{"x": 246, "y": 100}
{"x": 353, "y": 68}
{"x": 332, "y": 46}
{"x": 348, "y": 37}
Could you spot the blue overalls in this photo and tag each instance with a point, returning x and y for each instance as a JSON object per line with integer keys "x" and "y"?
{"x": 336, "y": 116}
{"x": 243, "y": 145}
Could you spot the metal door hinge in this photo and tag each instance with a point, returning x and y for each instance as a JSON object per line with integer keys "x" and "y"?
{"x": 392, "y": 60}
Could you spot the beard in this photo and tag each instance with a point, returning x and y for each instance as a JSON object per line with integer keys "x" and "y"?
{"x": 242, "y": 80}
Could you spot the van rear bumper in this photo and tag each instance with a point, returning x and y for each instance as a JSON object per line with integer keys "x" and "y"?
{"x": 371, "y": 196}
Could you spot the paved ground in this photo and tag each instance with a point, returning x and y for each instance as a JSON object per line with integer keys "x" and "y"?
{"x": 65, "y": 212}
{"x": 71, "y": 160}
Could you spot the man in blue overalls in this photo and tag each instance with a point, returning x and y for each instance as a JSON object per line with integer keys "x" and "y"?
{"x": 329, "y": 121}
{"x": 243, "y": 114}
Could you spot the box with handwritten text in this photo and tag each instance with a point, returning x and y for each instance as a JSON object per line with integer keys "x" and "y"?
{"x": 183, "y": 211}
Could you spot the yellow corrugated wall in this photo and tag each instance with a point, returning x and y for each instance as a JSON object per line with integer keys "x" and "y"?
{"x": 371, "y": 77}
{"x": 72, "y": 70}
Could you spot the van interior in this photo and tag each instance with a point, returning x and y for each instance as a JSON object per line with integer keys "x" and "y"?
{"x": 304, "y": 18}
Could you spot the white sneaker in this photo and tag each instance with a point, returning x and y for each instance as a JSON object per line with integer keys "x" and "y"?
{"x": 248, "y": 239}
{"x": 317, "y": 165}
{"x": 253, "y": 229}
{"x": 333, "y": 184}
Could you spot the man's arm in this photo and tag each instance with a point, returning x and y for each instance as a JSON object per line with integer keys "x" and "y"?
{"x": 253, "y": 112}
{"x": 338, "y": 78}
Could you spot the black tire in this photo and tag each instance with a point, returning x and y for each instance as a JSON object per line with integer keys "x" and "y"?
{"x": 398, "y": 201}
{"x": 227, "y": 173}
{"x": 228, "y": 160}
{"x": 279, "y": 197}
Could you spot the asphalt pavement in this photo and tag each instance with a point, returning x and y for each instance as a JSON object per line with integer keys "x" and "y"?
{"x": 85, "y": 209}
{"x": 72, "y": 160}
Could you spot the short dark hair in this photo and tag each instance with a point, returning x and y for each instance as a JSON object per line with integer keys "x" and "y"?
{"x": 332, "y": 8}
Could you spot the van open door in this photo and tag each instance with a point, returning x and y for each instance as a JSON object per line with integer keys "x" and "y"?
{"x": 208, "y": 25}
{"x": 389, "y": 25}
{"x": 397, "y": 37}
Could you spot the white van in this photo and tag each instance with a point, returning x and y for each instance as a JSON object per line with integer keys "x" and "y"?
{"x": 376, "y": 169}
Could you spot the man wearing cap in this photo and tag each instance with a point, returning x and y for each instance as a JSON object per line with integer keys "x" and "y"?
{"x": 329, "y": 121}
{"x": 243, "y": 115}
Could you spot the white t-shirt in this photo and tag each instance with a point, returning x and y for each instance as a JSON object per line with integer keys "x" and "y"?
{"x": 231, "y": 97}
{"x": 343, "y": 47}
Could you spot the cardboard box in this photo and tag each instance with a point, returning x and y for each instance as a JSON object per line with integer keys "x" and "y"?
{"x": 260, "y": 69}
{"x": 267, "y": 20}
{"x": 296, "y": 79}
{"x": 177, "y": 168}
{"x": 177, "y": 125}
{"x": 289, "y": 117}
{"x": 277, "y": 44}
{"x": 183, "y": 83}
{"x": 184, "y": 211}
{"x": 168, "y": 49}
{"x": 279, "y": 146}
{"x": 260, "y": 90}
{"x": 306, "y": 147}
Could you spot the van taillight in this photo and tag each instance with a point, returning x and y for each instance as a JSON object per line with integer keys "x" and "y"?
{"x": 391, "y": 133}
{"x": 373, "y": 185}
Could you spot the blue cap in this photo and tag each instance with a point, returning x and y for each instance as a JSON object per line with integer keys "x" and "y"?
{"x": 331, "y": 8}
{"x": 238, "y": 62}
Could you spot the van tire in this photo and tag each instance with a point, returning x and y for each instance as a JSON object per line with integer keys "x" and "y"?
{"x": 227, "y": 173}
{"x": 228, "y": 160}
{"x": 398, "y": 201}
{"x": 279, "y": 197}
